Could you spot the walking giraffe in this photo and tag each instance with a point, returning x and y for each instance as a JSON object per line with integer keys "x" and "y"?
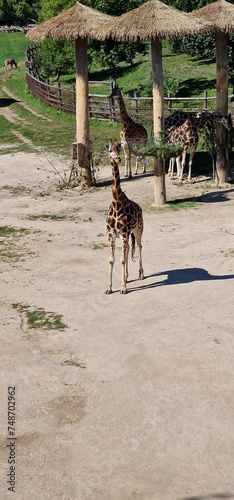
{"x": 187, "y": 137}
{"x": 132, "y": 134}
{"x": 124, "y": 219}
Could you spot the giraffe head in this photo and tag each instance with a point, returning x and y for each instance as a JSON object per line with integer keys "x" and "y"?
{"x": 114, "y": 148}
{"x": 116, "y": 91}
{"x": 209, "y": 119}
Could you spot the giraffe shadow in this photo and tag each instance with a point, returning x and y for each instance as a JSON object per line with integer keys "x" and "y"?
{"x": 179, "y": 277}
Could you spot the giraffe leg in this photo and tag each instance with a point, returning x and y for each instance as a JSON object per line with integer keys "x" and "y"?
{"x": 171, "y": 167}
{"x": 138, "y": 234}
{"x": 183, "y": 164}
{"x": 143, "y": 161}
{"x": 111, "y": 262}
{"x": 178, "y": 166}
{"x": 127, "y": 158}
{"x": 129, "y": 165}
{"x": 136, "y": 167}
{"x": 190, "y": 166}
{"x": 124, "y": 262}
{"x": 141, "y": 271}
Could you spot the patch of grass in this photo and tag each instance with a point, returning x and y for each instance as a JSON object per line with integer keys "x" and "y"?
{"x": 9, "y": 251}
{"x": 12, "y": 231}
{"x": 16, "y": 190}
{"x": 99, "y": 246}
{"x": 7, "y": 136}
{"x": 172, "y": 205}
{"x": 47, "y": 217}
{"x": 182, "y": 204}
{"x": 40, "y": 319}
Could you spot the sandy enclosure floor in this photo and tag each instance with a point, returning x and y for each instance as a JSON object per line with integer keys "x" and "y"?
{"x": 133, "y": 400}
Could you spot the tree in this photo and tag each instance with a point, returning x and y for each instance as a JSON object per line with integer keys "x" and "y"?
{"x": 108, "y": 53}
{"x": 14, "y": 11}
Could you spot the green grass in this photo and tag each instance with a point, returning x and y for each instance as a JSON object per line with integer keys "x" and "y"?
{"x": 47, "y": 217}
{"x": 13, "y": 45}
{"x": 11, "y": 231}
{"x": 40, "y": 319}
{"x": 10, "y": 251}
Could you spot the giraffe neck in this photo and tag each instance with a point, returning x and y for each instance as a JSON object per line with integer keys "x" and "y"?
{"x": 116, "y": 188}
{"x": 122, "y": 109}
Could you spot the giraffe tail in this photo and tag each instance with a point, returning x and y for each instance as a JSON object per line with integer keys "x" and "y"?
{"x": 133, "y": 241}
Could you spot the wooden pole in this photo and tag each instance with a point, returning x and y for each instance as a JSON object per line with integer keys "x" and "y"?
{"x": 158, "y": 120}
{"x": 222, "y": 106}
{"x": 82, "y": 113}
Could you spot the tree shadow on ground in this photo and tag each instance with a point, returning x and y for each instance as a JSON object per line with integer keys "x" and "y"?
{"x": 108, "y": 182}
{"x": 104, "y": 74}
{"x": 211, "y": 197}
{"x": 181, "y": 276}
{"x": 4, "y": 102}
{"x": 193, "y": 87}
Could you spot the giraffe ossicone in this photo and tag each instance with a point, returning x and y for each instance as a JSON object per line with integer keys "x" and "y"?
{"x": 124, "y": 219}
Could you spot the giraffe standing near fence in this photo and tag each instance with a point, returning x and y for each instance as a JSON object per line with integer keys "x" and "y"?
{"x": 187, "y": 137}
{"x": 124, "y": 219}
{"x": 132, "y": 134}
{"x": 171, "y": 122}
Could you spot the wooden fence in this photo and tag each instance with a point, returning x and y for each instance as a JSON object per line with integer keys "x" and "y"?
{"x": 100, "y": 105}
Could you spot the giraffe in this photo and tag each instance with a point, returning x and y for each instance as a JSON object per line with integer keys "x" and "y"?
{"x": 177, "y": 118}
{"x": 171, "y": 122}
{"x": 187, "y": 137}
{"x": 132, "y": 134}
{"x": 124, "y": 219}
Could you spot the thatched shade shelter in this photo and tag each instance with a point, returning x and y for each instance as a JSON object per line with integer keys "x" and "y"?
{"x": 77, "y": 23}
{"x": 221, "y": 14}
{"x": 154, "y": 21}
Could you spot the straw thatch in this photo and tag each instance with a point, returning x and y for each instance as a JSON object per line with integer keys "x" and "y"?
{"x": 77, "y": 22}
{"x": 220, "y": 14}
{"x": 152, "y": 20}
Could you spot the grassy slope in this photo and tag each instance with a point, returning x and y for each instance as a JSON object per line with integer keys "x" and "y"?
{"x": 12, "y": 45}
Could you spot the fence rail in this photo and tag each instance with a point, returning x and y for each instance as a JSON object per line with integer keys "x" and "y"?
{"x": 101, "y": 106}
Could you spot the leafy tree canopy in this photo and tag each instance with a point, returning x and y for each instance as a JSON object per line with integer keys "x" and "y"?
{"x": 109, "y": 54}
{"x": 18, "y": 11}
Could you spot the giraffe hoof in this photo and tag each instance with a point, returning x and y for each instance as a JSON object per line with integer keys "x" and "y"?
{"x": 136, "y": 173}
{"x": 123, "y": 291}
{"x": 108, "y": 291}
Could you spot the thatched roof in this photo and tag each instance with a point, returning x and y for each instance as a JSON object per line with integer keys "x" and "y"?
{"x": 153, "y": 19}
{"x": 77, "y": 22}
{"x": 220, "y": 14}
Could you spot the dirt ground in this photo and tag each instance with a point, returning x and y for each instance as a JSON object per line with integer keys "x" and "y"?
{"x": 133, "y": 399}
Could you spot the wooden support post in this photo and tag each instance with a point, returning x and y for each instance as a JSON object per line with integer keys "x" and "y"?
{"x": 158, "y": 120}
{"x": 82, "y": 112}
{"x": 222, "y": 107}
